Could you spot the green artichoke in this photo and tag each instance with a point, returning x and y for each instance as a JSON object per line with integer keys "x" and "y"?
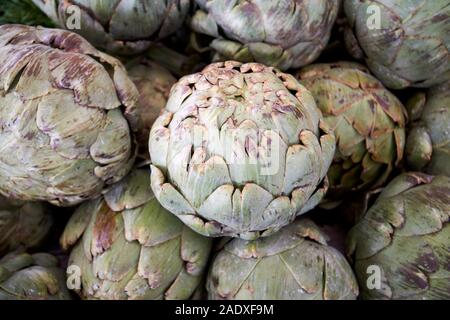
{"x": 285, "y": 34}
{"x": 401, "y": 247}
{"x": 295, "y": 263}
{"x": 240, "y": 150}
{"x": 153, "y": 83}
{"x": 36, "y": 276}
{"x": 22, "y": 224}
{"x": 428, "y": 141}
{"x": 405, "y": 43}
{"x": 128, "y": 247}
{"x": 64, "y": 107}
{"x": 122, "y": 27}
{"x": 368, "y": 122}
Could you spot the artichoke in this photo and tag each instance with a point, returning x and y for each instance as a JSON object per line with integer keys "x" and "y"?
{"x": 240, "y": 150}
{"x": 122, "y": 27}
{"x": 64, "y": 106}
{"x": 401, "y": 245}
{"x": 295, "y": 263}
{"x": 409, "y": 46}
{"x": 36, "y": 276}
{"x": 428, "y": 141}
{"x": 22, "y": 224}
{"x": 368, "y": 122}
{"x": 126, "y": 246}
{"x": 153, "y": 83}
{"x": 285, "y": 34}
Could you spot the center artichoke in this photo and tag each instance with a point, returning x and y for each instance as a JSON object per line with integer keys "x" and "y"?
{"x": 240, "y": 150}
{"x": 126, "y": 246}
{"x": 121, "y": 27}
{"x": 285, "y": 34}
{"x": 22, "y": 224}
{"x": 64, "y": 108}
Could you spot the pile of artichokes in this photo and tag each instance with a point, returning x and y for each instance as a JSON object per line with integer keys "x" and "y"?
{"x": 206, "y": 149}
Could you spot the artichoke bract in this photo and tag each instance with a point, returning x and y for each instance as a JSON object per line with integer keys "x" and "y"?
{"x": 126, "y": 246}
{"x": 153, "y": 83}
{"x": 64, "y": 107}
{"x": 294, "y": 264}
{"x": 428, "y": 141}
{"x": 404, "y": 43}
{"x": 285, "y": 34}
{"x": 22, "y": 224}
{"x": 122, "y": 27}
{"x": 240, "y": 150}
{"x": 36, "y": 276}
{"x": 401, "y": 245}
{"x": 367, "y": 120}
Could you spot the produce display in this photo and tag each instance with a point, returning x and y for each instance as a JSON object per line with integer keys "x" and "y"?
{"x": 224, "y": 150}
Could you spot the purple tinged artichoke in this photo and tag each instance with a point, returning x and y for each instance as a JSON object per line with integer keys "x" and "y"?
{"x": 367, "y": 120}
{"x": 64, "y": 107}
{"x": 36, "y": 276}
{"x": 126, "y": 246}
{"x": 428, "y": 141}
{"x": 121, "y": 27}
{"x": 404, "y": 43}
{"x": 22, "y": 224}
{"x": 401, "y": 246}
{"x": 240, "y": 150}
{"x": 293, "y": 264}
{"x": 285, "y": 34}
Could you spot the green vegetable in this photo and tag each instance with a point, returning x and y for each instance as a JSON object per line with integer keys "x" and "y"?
{"x": 404, "y": 42}
{"x": 285, "y": 34}
{"x": 36, "y": 276}
{"x": 368, "y": 122}
{"x": 401, "y": 245}
{"x": 64, "y": 107}
{"x": 126, "y": 246}
{"x": 295, "y": 263}
{"x": 240, "y": 150}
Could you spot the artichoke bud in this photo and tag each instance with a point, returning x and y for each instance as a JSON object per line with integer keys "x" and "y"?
{"x": 294, "y": 263}
{"x": 126, "y": 246}
{"x": 367, "y": 120}
{"x": 226, "y": 151}
{"x": 64, "y": 108}
{"x": 400, "y": 246}
{"x": 283, "y": 34}
{"x": 120, "y": 27}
